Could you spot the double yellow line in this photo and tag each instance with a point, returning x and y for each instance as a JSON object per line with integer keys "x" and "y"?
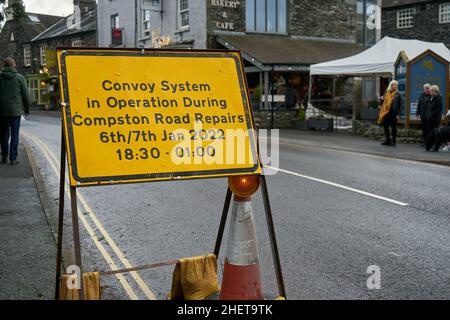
{"x": 54, "y": 163}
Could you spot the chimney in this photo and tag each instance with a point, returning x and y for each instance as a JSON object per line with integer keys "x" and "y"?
{"x": 85, "y": 5}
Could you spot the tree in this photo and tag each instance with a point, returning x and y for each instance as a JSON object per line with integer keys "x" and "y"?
{"x": 16, "y": 6}
{"x": 18, "y": 9}
{"x": 2, "y": 11}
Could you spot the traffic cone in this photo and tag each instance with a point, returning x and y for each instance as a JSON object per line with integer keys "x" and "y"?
{"x": 241, "y": 274}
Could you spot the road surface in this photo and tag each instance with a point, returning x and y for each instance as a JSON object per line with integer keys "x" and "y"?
{"x": 336, "y": 214}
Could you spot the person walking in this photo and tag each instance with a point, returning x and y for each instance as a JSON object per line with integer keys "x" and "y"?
{"x": 13, "y": 101}
{"x": 421, "y": 109}
{"x": 433, "y": 113}
{"x": 392, "y": 106}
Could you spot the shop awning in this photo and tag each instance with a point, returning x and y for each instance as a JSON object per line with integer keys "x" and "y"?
{"x": 284, "y": 53}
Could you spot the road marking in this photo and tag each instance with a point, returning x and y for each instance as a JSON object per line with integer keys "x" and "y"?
{"x": 54, "y": 164}
{"x": 339, "y": 186}
{"x": 91, "y": 232}
{"x": 365, "y": 154}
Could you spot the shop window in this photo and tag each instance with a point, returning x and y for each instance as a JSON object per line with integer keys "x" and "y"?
{"x": 367, "y": 34}
{"x": 266, "y": 16}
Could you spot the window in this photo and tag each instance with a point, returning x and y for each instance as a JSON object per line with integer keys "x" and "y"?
{"x": 27, "y": 55}
{"x": 266, "y": 16}
{"x": 154, "y": 3}
{"x": 405, "y": 18}
{"x": 77, "y": 43}
{"x": 34, "y": 18}
{"x": 115, "y": 22}
{"x": 444, "y": 12}
{"x": 33, "y": 88}
{"x": 183, "y": 14}
{"x": 366, "y": 17}
{"x": 43, "y": 55}
{"x": 146, "y": 22}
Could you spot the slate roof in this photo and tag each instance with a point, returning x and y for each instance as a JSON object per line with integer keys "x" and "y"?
{"x": 26, "y": 29}
{"x": 271, "y": 50}
{"x": 62, "y": 29}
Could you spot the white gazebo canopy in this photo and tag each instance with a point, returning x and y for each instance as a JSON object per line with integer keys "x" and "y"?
{"x": 378, "y": 59}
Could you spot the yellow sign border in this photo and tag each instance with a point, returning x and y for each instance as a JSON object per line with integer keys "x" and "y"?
{"x": 77, "y": 181}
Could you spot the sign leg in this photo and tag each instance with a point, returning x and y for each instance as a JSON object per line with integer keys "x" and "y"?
{"x": 223, "y": 220}
{"x": 273, "y": 239}
{"x": 62, "y": 179}
{"x": 76, "y": 238}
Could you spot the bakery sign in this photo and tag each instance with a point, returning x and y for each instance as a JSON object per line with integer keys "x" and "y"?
{"x": 224, "y": 14}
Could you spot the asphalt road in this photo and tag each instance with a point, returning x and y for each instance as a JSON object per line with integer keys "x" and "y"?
{"x": 336, "y": 213}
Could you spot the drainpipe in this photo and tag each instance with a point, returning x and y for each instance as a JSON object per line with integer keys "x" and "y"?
{"x": 136, "y": 25}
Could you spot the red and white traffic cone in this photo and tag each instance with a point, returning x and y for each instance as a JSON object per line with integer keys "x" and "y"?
{"x": 241, "y": 275}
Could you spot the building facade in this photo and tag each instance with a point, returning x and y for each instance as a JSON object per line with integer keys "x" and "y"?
{"x": 427, "y": 20}
{"x": 76, "y": 30}
{"x": 278, "y": 39}
{"x": 16, "y": 35}
{"x": 194, "y": 24}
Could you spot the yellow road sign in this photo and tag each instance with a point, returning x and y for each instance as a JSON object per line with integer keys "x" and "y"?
{"x": 134, "y": 116}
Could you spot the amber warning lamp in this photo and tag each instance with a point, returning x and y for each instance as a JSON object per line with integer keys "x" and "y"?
{"x": 244, "y": 186}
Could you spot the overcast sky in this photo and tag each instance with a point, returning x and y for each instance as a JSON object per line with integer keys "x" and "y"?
{"x": 53, "y": 7}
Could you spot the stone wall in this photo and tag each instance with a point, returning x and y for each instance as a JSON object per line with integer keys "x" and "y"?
{"x": 226, "y": 15}
{"x": 282, "y": 119}
{"x": 15, "y": 48}
{"x": 374, "y": 131}
{"x": 426, "y": 24}
{"x": 323, "y": 18}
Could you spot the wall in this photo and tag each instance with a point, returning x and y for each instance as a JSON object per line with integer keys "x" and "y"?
{"x": 88, "y": 40}
{"x": 196, "y": 32}
{"x": 426, "y": 24}
{"x": 323, "y": 18}
{"x": 14, "y": 49}
{"x": 127, "y": 20}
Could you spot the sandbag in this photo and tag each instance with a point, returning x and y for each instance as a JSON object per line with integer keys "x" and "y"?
{"x": 195, "y": 278}
{"x": 91, "y": 287}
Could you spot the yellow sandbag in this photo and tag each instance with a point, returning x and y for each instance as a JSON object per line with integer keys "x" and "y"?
{"x": 195, "y": 278}
{"x": 91, "y": 287}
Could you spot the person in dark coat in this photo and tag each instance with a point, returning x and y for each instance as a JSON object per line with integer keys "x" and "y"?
{"x": 433, "y": 110}
{"x": 438, "y": 136}
{"x": 421, "y": 109}
{"x": 13, "y": 101}
{"x": 392, "y": 106}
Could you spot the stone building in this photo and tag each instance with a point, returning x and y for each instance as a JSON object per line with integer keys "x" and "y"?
{"x": 17, "y": 33}
{"x": 427, "y": 20}
{"x": 279, "y": 39}
{"x": 76, "y": 30}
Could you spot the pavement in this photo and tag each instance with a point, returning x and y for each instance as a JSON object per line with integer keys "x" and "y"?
{"x": 27, "y": 246}
{"x": 26, "y": 240}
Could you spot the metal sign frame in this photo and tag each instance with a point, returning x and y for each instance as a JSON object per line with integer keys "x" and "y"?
{"x": 76, "y": 232}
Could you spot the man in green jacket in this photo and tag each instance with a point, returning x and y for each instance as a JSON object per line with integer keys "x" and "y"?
{"x": 13, "y": 101}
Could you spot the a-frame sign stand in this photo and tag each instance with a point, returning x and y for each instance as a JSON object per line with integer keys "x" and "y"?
{"x": 218, "y": 244}
{"x": 213, "y": 82}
